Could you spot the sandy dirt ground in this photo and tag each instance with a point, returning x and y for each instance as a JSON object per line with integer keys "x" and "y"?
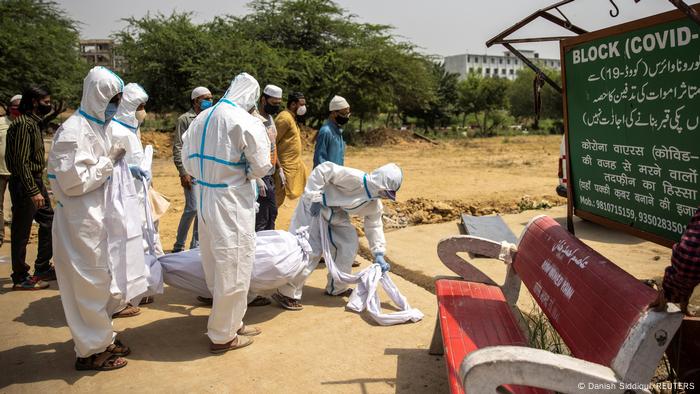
{"x": 322, "y": 348}
{"x": 492, "y": 174}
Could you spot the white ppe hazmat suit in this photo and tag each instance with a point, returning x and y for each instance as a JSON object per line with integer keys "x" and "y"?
{"x": 124, "y": 129}
{"x": 343, "y": 191}
{"x": 124, "y": 238}
{"x": 365, "y": 296}
{"x": 78, "y": 168}
{"x": 225, "y": 148}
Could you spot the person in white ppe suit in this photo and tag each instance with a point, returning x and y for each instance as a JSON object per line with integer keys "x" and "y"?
{"x": 336, "y": 192}
{"x": 124, "y": 129}
{"x": 225, "y": 149}
{"x": 80, "y": 163}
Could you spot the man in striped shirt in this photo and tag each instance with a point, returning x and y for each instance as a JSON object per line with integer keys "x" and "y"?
{"x": 683, "y": 274}
{"x": 24, "y": 156}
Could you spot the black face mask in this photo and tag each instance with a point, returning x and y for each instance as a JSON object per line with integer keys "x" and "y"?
{"x": 43, "y": 109}
{"x": 272, "y": 109}
{"x": 341, "y": 120}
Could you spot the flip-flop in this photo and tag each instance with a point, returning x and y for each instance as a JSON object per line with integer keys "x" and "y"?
{"x": 236, "y": 343}
{"x": 129, "y": 311}
{"x": 249, "y": 331}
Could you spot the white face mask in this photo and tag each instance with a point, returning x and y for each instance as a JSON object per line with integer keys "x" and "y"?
{"x": 301, "y": 111}
{"x": 141, "y": 115}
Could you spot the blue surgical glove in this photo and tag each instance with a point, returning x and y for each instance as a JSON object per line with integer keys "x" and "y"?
{"x": 315, "y": 209}
{"x": 379, "y": 259}
{"x": 138, "y": 173}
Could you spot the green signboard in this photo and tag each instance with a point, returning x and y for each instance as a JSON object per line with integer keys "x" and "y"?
{"x": 632, "y": 104}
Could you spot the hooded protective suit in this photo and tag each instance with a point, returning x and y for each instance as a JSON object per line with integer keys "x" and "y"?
{"x": 224, "y": 148}
{"x": 78, "y": 168}
{"x": 343, "y": 191}
{"x": 124, "y": 129}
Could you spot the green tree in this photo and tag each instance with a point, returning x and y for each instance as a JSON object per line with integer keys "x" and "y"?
{"x": 443, "y": 104}
{"x": 491, "y": 97}
{"x": 39, "y": 45}
{"x": 162, "y": 53}
{"x": 521, "y": 96}
{"x": 468, "y": 95}
{"x": 312, "y": 46}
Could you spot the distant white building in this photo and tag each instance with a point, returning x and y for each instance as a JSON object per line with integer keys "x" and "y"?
{"x": 503, "y": 66}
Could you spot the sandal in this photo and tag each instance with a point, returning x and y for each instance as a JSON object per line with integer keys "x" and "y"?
{"x": 260, "y": 301}
{"x": 287, "y": 302}
{"x": 146, "y": 300}
{"x": 129, "y": 311}
{"x": 119, "y": 349}
{"x": 237, "y": 343}
{"x": 346, "y": 293}
{"x": 205, "y": 300}
{"x": 248, "y": 331}
{"x": 105, "y": 361}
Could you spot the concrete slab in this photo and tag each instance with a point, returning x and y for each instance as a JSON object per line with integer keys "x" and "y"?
{"x": 320, "y": 349}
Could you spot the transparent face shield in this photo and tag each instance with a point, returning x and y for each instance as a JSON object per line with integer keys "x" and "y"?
{"x": 388, "y": 194}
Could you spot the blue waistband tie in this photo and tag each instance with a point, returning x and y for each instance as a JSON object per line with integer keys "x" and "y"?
{"x": 216, "y": 160}
{"x": 212, "y": 185}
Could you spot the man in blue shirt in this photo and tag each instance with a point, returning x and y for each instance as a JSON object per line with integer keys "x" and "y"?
{"x": 330, "y": 145}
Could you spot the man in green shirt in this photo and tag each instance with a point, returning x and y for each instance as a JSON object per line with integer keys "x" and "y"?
{"x": 201, "y": 99}
{"x": 24, "y": 156}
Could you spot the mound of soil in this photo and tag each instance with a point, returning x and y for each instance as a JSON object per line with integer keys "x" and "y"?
{"x": 415, "y": 211}
{"x": 387, "y": 136}
{"x": 162, "y": 143}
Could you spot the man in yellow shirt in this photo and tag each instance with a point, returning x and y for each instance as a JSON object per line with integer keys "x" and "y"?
{"x": 290, "y": 176}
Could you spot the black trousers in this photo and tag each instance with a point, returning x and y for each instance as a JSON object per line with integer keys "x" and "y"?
{"x": 23, "y": 213}
{"x": 267, "y": 214}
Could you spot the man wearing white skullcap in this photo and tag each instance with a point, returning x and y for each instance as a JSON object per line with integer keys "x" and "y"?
{"x": 14, "y": 106}
{"x": 330, "y": 145}
{"x": 201, "y": 99}
{"x": 268, "y": 106}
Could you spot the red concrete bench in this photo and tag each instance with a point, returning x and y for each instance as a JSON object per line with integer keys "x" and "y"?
{"x": 599, "y": 310}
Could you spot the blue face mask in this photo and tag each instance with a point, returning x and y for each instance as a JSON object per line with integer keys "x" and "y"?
{"x": 110, "y": 111}
{"x": 204, "y": 104}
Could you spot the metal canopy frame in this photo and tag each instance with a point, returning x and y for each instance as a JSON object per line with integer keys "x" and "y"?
{"x": 563, "y": 21}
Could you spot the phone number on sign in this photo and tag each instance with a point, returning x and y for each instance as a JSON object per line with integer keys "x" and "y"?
{"x": 656, "y": 221}
{"x": 615, "y": 209}
{"x": 641, "y": 217}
